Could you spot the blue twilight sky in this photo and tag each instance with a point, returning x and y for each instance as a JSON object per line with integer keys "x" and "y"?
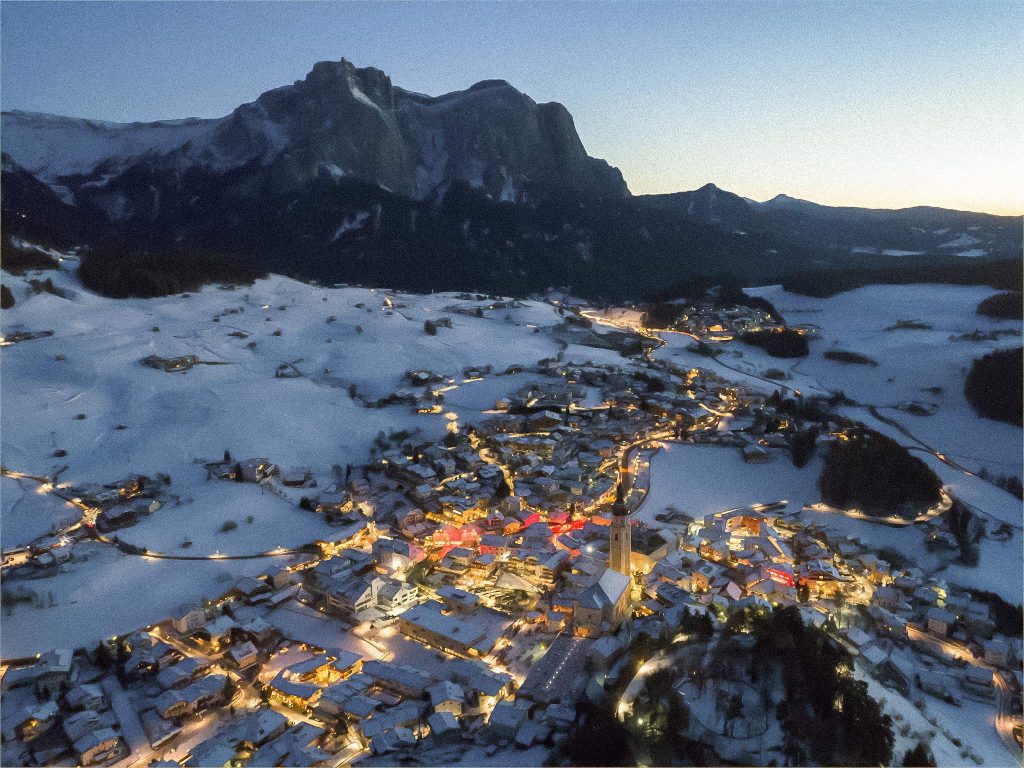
{"x": 883, "y": 104}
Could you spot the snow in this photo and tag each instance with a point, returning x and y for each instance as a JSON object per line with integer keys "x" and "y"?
{"x": 884, "y": 252}
{"x": 962, "y": 241}
{"x": 910, "y": 362}
{"x": 983, "y": 740}
{"x": 303, "y": 624}
{"x": 973, "y": 253}
{"x": 276, "y": 523}
{"x": 702, "y": 479}
{"x": 350, "y": 224}
{"x": 51, "y": 146}
{"x": 104, "y": 592}
{"x": 28, "y": 515}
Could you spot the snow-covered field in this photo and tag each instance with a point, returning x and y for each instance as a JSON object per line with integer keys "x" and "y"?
{"x": 700, "y": 480}
{"x": 911, "y": 362}
{"x": 104, "y": 592}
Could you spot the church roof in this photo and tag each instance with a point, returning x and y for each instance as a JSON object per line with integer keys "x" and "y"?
{"x": 606, "y": 591}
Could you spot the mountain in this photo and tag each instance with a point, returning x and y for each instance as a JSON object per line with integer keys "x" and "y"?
{"x": 837, "y": 232}
{"x": 341, "y": 121}
{"x": 344, "y": 177}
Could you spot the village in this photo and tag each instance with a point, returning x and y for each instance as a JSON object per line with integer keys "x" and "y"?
{"x": 472, "y": 591}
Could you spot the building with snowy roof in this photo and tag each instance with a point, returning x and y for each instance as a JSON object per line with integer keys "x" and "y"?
{"x": 603, "y": 604}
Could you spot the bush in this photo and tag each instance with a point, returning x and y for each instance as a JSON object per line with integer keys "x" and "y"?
{"x": 702, "y": 349}
{"x": 1009, "y": 483}
{"x": 845, "y": 356}
{"x": 877, "y": 474}
{"x": 919, "y": 757}
{"x": 1006, "y": 306}
{"x": 784, "y": 343}
{"x": 572, "y": 319}
{"x": 45, "y": 286}
{"x": 909, "y": 325}
{"x": 429, "y": 328}
{"x": 995, "y": 386}
{"x": 229, "y": 525}
{"x": 6, "y": 297}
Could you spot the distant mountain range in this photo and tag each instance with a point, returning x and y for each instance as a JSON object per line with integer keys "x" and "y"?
{"x": 343, "y": 177}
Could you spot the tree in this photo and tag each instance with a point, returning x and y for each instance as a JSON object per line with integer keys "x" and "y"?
{"x": 104, "y": 658}
{"x": 802, "y": 445}
{"x": 782, "y": 343}
{"x": 919, "y": 757}
{"x": 733, "y": 710}
{"x": 599, "y": 738}
{"x": 874, "y": 472}
{"x": 429, "y": 328}
{"x": 1003, "y": 305}
{"x": 995, "y": 385}
{"x": 840, "y": 601}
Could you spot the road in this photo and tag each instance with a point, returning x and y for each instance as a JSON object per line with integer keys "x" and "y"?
{"x": 944, "y": 458}
{"x": 1004, "y": 717}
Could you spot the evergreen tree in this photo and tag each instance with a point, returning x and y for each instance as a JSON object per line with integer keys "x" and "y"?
{"x": 919, "y": 757}
{"x": 599, "y": 738}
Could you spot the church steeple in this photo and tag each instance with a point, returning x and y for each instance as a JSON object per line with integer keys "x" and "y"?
{"x": 621, "y": 545}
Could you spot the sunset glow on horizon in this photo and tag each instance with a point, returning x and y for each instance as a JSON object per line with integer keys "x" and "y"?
{"x": 883, "y": 105}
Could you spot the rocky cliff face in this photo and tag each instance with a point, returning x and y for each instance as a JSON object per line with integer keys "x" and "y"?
{"x": 340, "y": 122}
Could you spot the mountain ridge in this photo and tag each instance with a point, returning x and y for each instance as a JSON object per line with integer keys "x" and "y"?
{"x": 343, "y": 176}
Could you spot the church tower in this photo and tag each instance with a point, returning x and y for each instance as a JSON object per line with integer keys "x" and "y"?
{"x": 621, "y": 546}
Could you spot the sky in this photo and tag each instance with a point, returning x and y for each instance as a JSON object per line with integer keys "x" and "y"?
{"x": 880, "y": 104}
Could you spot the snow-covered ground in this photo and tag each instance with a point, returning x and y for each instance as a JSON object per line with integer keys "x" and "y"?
{"x": 27, "y": 515}
{"x": 699, "y": 480}
{"x": 104, "y": 592}
{"x": 911, "y": 362}
{"x": 142, "y": 420}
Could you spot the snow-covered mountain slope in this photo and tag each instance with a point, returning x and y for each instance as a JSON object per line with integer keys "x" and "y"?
{"x": 51, "y": 146}
{"x": 481, "y": 189}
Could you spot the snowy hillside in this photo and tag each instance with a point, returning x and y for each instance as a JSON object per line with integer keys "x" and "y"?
{"x": 51, "y": 146}
{"x": 84, "y": 392}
